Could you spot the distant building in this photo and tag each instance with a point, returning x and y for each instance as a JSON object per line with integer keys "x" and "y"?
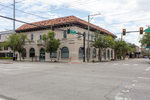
{"x": 6, "y": 51}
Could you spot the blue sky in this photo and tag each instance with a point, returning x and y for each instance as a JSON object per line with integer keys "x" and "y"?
{"x": 115, "y": 14}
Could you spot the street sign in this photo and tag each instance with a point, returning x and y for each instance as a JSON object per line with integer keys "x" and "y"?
{"x": 147, "y": 30}
{"x": 73, "y": 32}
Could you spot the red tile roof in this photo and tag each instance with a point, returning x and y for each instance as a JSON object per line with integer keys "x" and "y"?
{"x": 57, "y": 21}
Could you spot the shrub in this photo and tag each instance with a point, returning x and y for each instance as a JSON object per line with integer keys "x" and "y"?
{"x": 93, "y": 61}
{"x": 6, "y": 58}
{"x": 55, "y": 60}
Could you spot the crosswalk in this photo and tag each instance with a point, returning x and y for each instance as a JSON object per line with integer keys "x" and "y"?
{"x": 114, "y": 64}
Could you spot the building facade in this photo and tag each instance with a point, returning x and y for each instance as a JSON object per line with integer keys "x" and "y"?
{"x": 71, "y": 45}
{"x": 6, "y": 51}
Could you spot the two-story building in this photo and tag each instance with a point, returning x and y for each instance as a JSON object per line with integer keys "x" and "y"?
{"x": 71, "y": 44}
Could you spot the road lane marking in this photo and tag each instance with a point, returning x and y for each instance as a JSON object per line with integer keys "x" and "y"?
{"x": 135, "y": 64}
{"x": 147, "y": 69}
{"x": 143, "y": 77}
{"x": 125, "y": 64}
{"x": 115, "y": 64}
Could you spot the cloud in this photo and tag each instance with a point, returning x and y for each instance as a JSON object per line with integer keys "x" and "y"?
{"x": 112, "y": 12}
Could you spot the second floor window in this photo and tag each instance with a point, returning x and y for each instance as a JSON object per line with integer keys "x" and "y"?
{"x": 91, "y": 37}
{"x": 40, "y": 37}
{"x": 64, "y": 34}
{"x": 31, "y": 37}
{"x": 5, "y": 48}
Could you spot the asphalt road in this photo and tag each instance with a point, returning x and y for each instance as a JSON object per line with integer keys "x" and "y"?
{"x": 116, "y": 80}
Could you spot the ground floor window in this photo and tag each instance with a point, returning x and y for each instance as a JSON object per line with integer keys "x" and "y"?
{"x": 2, "y": 54}
{"x": 111, "y": 54}
{"x": 94, "y": 53}
{"x": 54, "y": 54}
{"x": 104, "y": 55}
{"x": 23, "y": 53}
{"x": 80, "y": 52}
{"x": 64, "y": 52}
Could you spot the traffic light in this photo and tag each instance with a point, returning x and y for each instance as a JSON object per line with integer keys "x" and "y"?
{"x": 52, "y": 27}
{"x": 141, "y": 30}
{"x": 68, "y": 30}
{"x": 124, "y": 32}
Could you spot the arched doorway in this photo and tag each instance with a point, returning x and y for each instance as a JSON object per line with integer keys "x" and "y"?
{"x": 32, "y": 52}
{"x": 42, "y": 54}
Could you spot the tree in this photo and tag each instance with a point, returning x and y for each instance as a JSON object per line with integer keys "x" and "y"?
{"x": 145, "y": 40}
{"x": 16, "y": 42}
{"x": 1, "y": 47}
{"x": 122, "y": 47}
{"x": 145, "y": 53}
{"x": 51, "y": 44}
{"x": 102, "y": 42}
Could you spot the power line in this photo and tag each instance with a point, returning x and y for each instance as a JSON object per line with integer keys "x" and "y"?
{"x": 24, "y": 12}
{"x": 125, "y": 22}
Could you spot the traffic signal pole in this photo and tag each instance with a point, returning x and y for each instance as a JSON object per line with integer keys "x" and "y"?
{"x": 83, "y": 48}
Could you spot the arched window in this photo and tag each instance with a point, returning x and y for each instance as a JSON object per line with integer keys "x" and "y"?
{"x": 87, "y": 53}
{"x": 91, "y": 37}
{"x": 111, "y": 54}
{"x": 80, "y": 52}
{"x": 54, "y": 54}
{"x": 23, "y": 53}
{"x": 32, "y": 52}
{"x": 108, "y": 54}
{"x": 31, "y": 37}
{"x": 104, "y": 54}
{"x": 64, "y": 52}
{"x": 40, "y": 37}
{"x": 94, "y": 53}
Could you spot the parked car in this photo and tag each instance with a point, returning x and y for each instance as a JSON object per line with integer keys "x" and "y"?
{"x": 149, "y": 57}
{"x": 145, "y": 56}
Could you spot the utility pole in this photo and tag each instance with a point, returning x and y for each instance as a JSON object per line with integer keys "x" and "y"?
{"x": 88, "y": 39}
{"x": 84, "y": 47}
{"x": 14, "y": 29}
{"x": 89, "y": 35}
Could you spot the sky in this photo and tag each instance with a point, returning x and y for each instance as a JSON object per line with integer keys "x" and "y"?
{"x": 114, "y": 15}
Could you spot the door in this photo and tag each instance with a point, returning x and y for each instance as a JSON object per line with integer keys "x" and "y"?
{"x": 42, "y": 54}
